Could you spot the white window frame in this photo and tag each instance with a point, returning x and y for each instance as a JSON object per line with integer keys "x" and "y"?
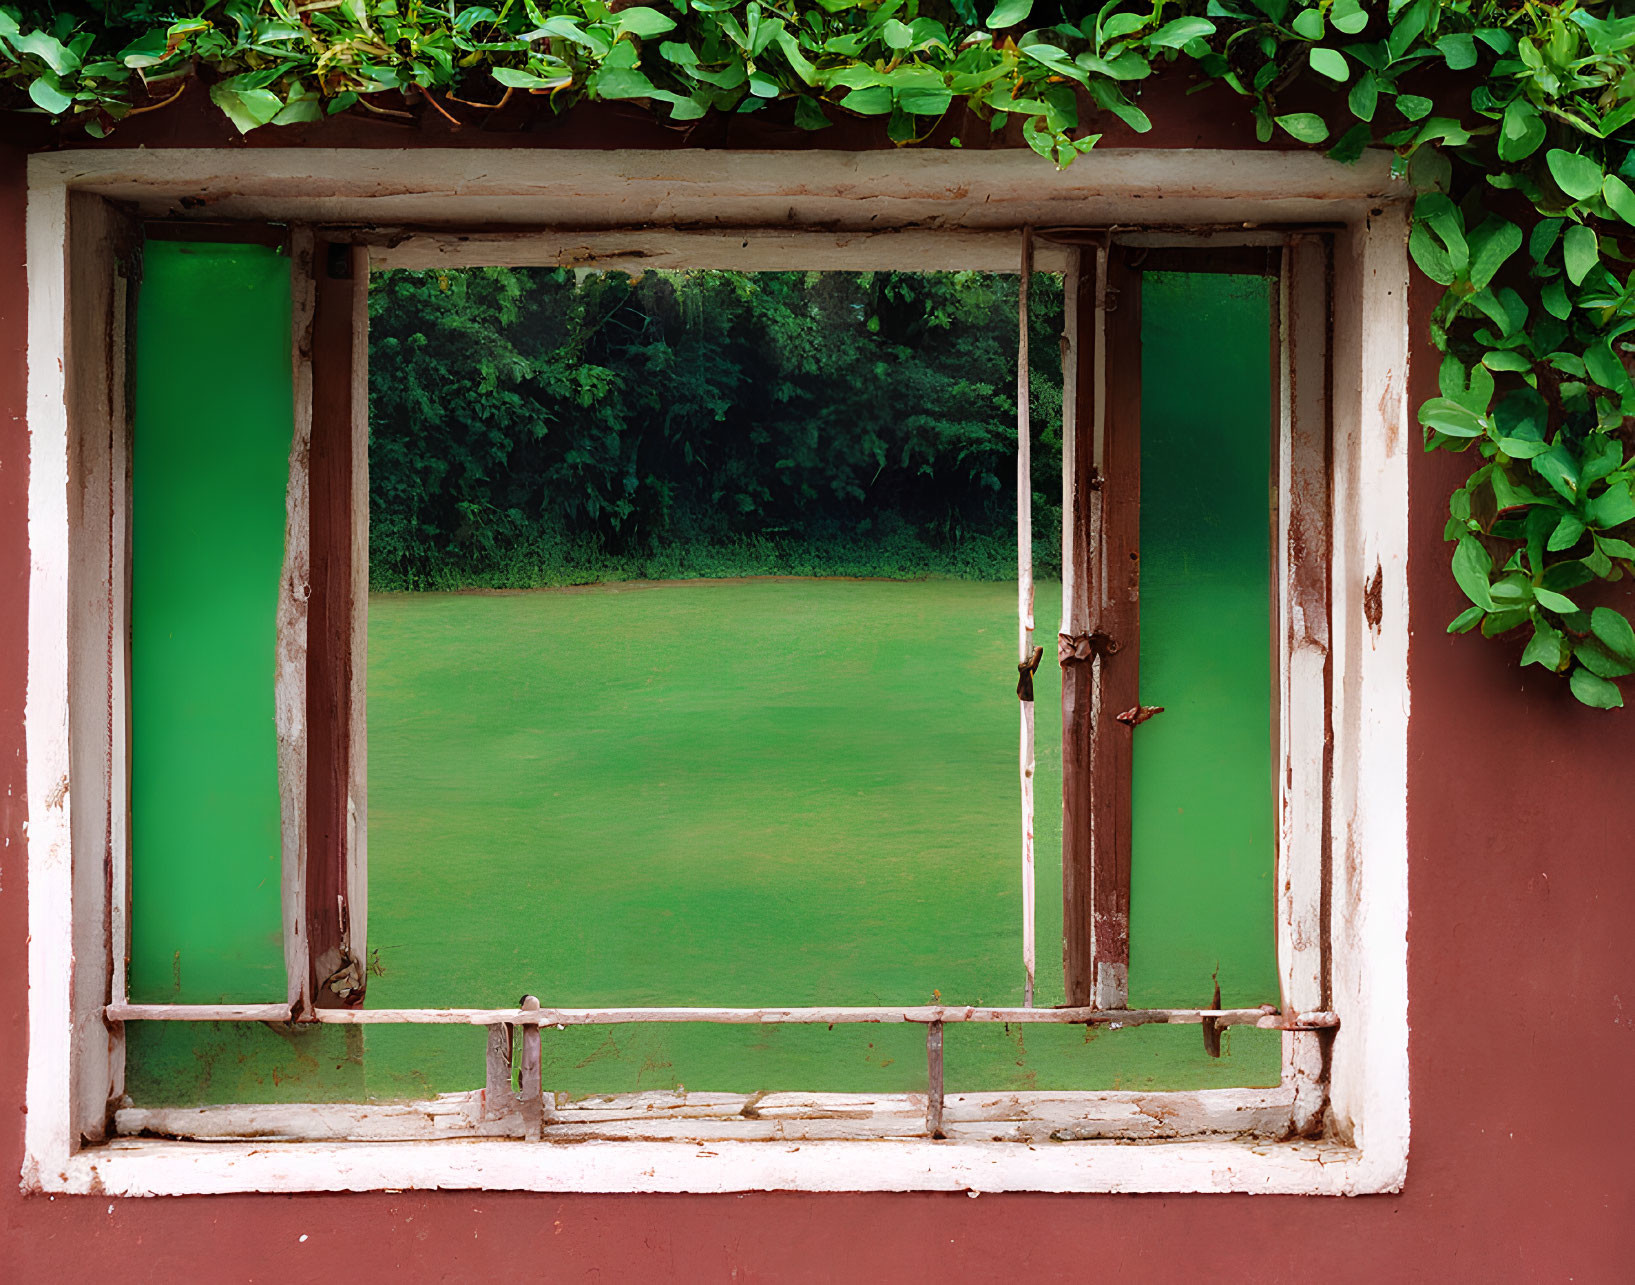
{"x": 912, "y": 209}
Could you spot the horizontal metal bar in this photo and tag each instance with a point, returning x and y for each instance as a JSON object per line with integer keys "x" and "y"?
{"x": 197, "y": 1012}
{"x": 1266, "y": 1018}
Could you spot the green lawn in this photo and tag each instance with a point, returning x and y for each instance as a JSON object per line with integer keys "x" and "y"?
{"x": 741, "y": 793}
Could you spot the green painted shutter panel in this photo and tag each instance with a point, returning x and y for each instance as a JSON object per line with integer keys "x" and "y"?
{"x": 210, "y": 468}
{"x": 1204, "y": 837}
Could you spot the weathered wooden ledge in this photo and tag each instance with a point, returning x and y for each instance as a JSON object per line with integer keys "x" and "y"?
{"x": 680, "y": 1116}
{"x": 1266, "y": 1018}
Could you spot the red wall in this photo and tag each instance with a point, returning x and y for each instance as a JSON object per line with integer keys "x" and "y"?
{"x": 1521, "y": 976}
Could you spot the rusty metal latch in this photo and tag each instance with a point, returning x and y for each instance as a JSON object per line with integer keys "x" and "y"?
{"x": 1025, "y": 670}
{"x": 1072, "y": 648}
{"x": 1139, "y": 715}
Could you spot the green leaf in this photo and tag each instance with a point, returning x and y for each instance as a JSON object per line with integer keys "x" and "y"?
{"x": 1007, "y": 13}
{"x": 1604, "y": 368}
{"x": 1543, "y": 237}
{"x": 1473, "y": 571}
{"x": 1447, "y": 416}
{"x": 1546, "y": 648}
{"x": 1568, "y": 532}
{"x": 809, "y": 114}
{"x": 48, "y": 49}
{"x": 1443, "y": 256}
{"x": 1413, "y": 107}
{"x": 1567, "y": 575}
{"x": 873, "y": 101}
{"x": 1112, "y": 98}
{"x": 1577, "y": 175}
{"x": 1599, "y": 660}
{"x": 1619, "y": 198}
{"x": 1432, "y": 258}
{"x": 302, "y": 109}
{"x": 1172, "y": 35}
{"x": 1553, "y": 601}
{"x": 515, "y": 78}
{"x": 1466, "y": 620}
{"x": 798, "y": 62}
{"x": 1308, "y": 23}
{"x": 621, "y": 82}
{"x": 1559, "y": 467}
{"x": 1330, "y": 63}
{"x": 1364, "y": 96}
{"x": 1613, "y": 629}
{"x": 1613, "y": 507}
{"x": 1406, "y": 28}
{"x": 246, "y": 108}
{"x": 642, "y": 21}
{"x": 1521, "y": 131}
{"x": 1308, "y": 127}
{"x": 1595, "y": 691}
{"x": 1598, "y": 464}
{"x": 1057, "y": 60}
{"x": 897, "y": 34}
{"x": 47, "y": 97}
{"x": 1606, "y": 37}
{"x": 926, "y": 101}
{"x": 1348, "y": 16}
{"x": 1581, "y": 252}
{"x": 1494, "y": 241}
{"x": 1458, "y": 51}
{"x": 1501, "y": 622}
{"x": 1351, "y": 145}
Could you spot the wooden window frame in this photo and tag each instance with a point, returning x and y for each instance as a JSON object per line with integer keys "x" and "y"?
{"x": 1099, "y": 646}
{"x": 75, "y": 701}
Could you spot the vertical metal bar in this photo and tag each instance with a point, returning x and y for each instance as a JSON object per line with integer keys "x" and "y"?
{"x": 933, "y": 1092}
{"x": 1085, "y": 352}
{"x": 1115, "y": 616}
{"x": 497, "y": 1097}
{"x": 1024, "y": 608}
{"x": 1099, "y": 648}
{"x": 529, "y": 1076}
{"x": 1302, "y": 580}
{"x": 290, "y": 678}
{"x": 336, "y": 917}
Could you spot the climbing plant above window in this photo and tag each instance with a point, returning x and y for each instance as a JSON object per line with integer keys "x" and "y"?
{"x": 1514, "y": 122}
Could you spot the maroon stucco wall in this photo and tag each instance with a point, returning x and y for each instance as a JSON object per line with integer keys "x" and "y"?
{"x": 1521, "y": 975}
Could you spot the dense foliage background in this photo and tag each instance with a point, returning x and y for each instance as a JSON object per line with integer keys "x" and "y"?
{"x": 533, "y": 427}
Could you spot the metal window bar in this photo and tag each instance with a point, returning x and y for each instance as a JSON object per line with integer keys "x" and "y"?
{"x": 513, "y": 1085}
{"x": 1265, "y": 1017}
{"x": 524, "y": 1095}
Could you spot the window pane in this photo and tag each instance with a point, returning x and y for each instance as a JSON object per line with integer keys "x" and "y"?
{"x": 1204, "y": 839}
{"x": 210, "y": 468}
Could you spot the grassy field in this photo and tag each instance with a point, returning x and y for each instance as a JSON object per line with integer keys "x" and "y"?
{"x": 750, "y": 792}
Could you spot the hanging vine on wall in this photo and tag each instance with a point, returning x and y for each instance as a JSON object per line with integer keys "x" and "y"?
{"x": 1514, "y": 120}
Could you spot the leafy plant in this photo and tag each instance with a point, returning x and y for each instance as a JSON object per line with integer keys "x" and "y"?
{"x": 1514, "y": 121}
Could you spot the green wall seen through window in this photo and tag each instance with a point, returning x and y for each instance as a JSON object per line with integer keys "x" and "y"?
{"x": 1204, "y": 838}
{"x": 210, "y": 468}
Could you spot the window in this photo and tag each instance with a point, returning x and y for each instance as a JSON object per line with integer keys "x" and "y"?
{"x": 1331, "y": 441}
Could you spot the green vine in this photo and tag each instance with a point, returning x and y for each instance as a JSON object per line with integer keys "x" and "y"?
{"x": 1514, "y": 120}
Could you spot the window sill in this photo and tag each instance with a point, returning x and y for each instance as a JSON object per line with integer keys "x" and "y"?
{"x": 134, "y": 1167}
